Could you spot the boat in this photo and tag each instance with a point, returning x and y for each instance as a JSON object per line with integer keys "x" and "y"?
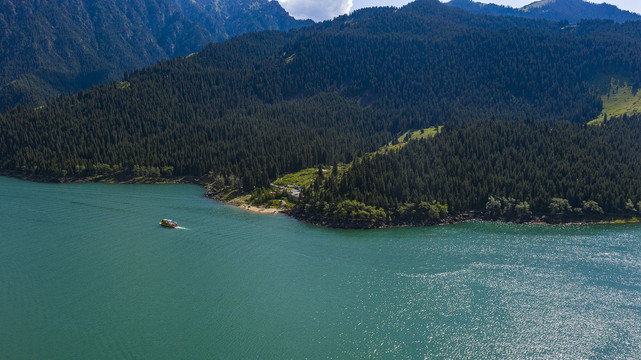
{"x": 168, "y": 223}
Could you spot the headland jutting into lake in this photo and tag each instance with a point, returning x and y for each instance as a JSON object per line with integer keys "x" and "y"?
{"x": 235, "y": 197}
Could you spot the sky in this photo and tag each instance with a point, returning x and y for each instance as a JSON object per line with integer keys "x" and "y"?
{"x": 328, "y": 9}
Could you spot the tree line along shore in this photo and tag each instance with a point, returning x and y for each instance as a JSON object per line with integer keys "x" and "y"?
{"x": 487, "y": 170}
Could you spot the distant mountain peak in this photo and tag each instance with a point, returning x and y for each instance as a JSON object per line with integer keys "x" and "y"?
{"x": 556, "y": 10}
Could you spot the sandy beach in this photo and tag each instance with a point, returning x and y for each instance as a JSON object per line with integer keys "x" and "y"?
{"x": 259, "y": 210}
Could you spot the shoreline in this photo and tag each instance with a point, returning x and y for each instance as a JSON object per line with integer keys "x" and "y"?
{"x": 103, "y": 179}
{"x": 461, "y": 219}
{"x": 256, "y": 209}
{"x": 214, "y": 194}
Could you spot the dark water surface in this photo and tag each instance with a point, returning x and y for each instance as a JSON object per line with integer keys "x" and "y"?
{"x": 86, "y": 272}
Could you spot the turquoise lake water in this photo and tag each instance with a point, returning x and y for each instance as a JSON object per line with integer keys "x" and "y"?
{"x": 86, "y": 272}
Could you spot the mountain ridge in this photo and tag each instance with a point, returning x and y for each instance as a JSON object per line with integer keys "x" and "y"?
{"x": 555, "y": 10}
{"x": 51, "y": 47}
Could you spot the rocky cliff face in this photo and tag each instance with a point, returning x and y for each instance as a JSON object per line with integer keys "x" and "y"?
{"x": 48, "y": 47}
{"x": 229, "y": 18}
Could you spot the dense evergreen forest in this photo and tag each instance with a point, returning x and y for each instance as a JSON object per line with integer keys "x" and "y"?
{"x": 502, "y": 169}
{"x": 50, "y": 47}
{"x": 269, "y": 103}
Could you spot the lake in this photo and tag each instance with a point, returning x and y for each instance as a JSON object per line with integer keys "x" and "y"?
{"x": 86, "y": 272}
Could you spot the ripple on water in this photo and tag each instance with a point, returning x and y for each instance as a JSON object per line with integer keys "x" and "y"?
{"x": 519, "y": 311}
{"x": 86, "y": 272}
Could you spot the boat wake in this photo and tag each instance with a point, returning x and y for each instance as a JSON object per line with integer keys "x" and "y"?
{"x": 181, "y": 228}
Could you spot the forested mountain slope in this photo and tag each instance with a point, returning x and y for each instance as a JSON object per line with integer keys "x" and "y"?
{"x": 48, "y": 47}
{"x": 510, "y": 170}
{"x": 265, "y": 104}
{"x": 572, "y": 11}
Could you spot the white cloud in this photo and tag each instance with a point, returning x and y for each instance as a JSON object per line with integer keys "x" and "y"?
{"x": 316, "y": 9}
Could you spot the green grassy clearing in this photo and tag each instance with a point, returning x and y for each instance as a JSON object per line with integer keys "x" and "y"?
{"x": 410, "y": 135}
{"x": 302, "y": 178}
{"x": 239, "y": 200}
{"x": 620, "y": 100}
{"x": 123, "y": 85}
{"x": 290, "y": 58}
{"x": 306, "y": 177}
